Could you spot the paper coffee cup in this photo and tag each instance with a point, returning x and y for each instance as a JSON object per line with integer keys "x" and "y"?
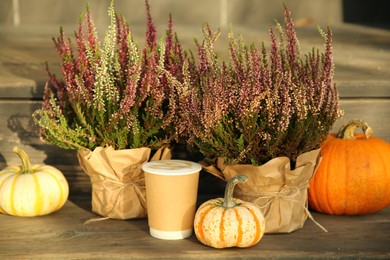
{"x": 171, "y": 194}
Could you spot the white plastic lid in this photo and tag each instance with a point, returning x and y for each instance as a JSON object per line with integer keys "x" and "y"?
{"x": 171, "y": 167}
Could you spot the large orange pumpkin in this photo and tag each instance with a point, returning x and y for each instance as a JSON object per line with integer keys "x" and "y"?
{"x": 354, "y": 175}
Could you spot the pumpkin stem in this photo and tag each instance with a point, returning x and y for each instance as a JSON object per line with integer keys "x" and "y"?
{"x": 348, "y": 130}
{"x": 26, "y": 165}
{"x": 228, "y": 200}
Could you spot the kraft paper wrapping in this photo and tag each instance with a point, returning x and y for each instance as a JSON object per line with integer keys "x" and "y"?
{"x": 118, "y": 182}
{"x": 281, "y": 193}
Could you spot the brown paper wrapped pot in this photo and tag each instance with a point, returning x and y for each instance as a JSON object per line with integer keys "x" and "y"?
{"x": 279, "y": 191}
{"x": 117, "y": 179}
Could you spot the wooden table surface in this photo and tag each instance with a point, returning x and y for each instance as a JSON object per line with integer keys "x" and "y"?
{"x": 63, "y": 235}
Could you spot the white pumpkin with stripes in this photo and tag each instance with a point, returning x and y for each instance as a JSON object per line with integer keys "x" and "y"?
{"x": 31, "y": 190}
{"x": 229, "y": 222}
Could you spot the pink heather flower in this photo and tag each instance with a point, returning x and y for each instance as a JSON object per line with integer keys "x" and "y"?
{"x": 260, "y": 104}
{"x": 115, "y": 93}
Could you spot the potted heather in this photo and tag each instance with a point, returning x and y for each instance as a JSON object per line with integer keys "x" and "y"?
{"x": 262, "y": 113}
{"x": 116, "y": 106}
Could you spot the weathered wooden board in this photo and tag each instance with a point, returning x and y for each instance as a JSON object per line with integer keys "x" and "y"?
{"x": 375, "y": 111}
{"x": 62, "y": 235}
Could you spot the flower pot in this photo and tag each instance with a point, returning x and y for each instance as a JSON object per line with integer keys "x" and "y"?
{"x": 117, "y": 179}
{"x": 279, "y": 191}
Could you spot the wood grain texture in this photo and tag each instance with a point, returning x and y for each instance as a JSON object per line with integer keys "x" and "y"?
{"x": 375, "y": 111}
{"x": 62, "y": 235}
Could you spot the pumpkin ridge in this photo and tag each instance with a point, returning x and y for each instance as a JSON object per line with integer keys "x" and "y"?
{"x": 211, "y": 226}
{"x": 328, "y": 206}
{"x": 222, "y": 227}
{"x": 202, "y": 215}
{"x": 239, "y": 226}
{"x": 12, "y": 194}
{"x": 346, "y": 178}
{"x": 348, "y": 188}
{"x": 56, "y": 177}
{"x": 4, "y": 179}
{"x": 258, "y": 232}
{"x": 320, "y": 189}
{"x": 353, "y": 208}
{"x": 39, "y": 201}
{"x": 366, "y": 208}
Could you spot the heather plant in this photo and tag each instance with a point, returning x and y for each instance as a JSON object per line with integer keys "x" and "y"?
{"x": 112, "y": 94}
{"x": 260, "y": 103}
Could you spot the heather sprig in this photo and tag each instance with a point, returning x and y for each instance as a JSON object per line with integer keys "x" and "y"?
{"x": 114, "y": 93}
{"x": 261, "y": 103}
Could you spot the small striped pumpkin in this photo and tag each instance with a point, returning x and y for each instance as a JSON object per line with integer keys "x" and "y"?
{"x": 31, "y": 190}
{"x": 229, "y": 222}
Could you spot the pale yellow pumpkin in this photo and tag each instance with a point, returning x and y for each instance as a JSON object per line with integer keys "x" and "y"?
{"x": 31, "y": 190}
{"x": 229, "y": 222}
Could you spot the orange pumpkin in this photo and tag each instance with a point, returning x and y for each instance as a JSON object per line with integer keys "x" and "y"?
{"x": 229, "y": 222}
{"x": 354, "y": 174}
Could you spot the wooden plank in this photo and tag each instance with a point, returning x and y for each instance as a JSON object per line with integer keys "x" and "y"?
{"x": 361, "y": 54}
{"x": 364, "y": 89}
{"x": 18, "y": 128}
{"x": 62, "y": 235}
{"x": 376, "y": 112}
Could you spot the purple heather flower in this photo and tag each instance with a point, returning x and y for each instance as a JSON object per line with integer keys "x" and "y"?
{"x": 114, "y": 93}
{"x": 259, "y": 104}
